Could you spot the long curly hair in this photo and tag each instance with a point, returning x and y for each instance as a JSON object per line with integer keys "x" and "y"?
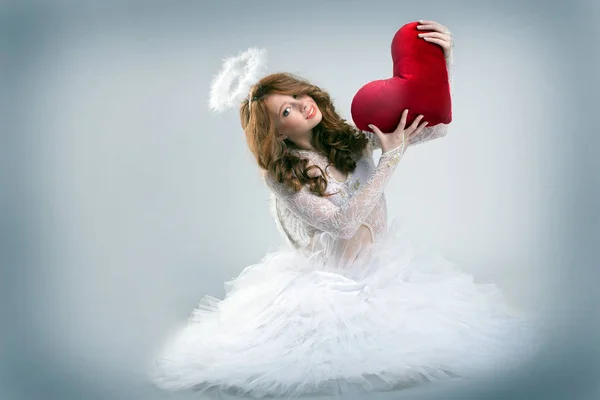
{"x": 333, "y": 137}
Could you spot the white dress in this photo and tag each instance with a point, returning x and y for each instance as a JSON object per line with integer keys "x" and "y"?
{"x": 350, "y": 305}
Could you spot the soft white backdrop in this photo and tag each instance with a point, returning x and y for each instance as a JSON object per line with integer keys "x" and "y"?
{"x": 149, "y": 201}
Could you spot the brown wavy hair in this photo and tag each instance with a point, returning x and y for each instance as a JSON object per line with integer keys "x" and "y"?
{"x": 333, "y": 137}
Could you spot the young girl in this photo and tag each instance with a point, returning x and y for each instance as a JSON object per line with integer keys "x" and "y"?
{"x": 351, "y": 304}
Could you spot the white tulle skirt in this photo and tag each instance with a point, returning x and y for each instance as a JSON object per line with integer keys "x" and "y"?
{"x": 289, "y": 326}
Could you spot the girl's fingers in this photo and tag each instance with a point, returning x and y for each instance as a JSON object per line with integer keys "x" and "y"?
{"x": 418, "y": 131}
{"x": 429, "y": 28}
{"x": 415, "y": 123}
{"x": 433, "y": 25}
{"x": 429, "y": 21}
{"x": 438, "y": 35}
{"x": 375, "y": 129}
{"x": 402, "y": 122}
{"x": 441, "y": 42}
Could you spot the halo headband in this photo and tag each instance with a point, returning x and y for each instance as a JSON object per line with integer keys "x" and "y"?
{"x": 246, "y": 68}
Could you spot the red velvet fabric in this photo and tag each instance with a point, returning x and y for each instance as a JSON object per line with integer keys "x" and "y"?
{"x": 419, "y": 83}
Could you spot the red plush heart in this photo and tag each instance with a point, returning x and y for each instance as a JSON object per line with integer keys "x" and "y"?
{"x": 420, "y": 83}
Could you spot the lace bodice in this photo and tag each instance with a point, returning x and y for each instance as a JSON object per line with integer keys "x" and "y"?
{"x": 330, "y": 225}
{"x": 339, "y": 226}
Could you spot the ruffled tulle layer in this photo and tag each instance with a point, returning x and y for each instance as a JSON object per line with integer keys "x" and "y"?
{"x": 290, "y": 326}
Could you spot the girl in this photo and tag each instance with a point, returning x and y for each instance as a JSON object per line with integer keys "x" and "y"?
{"x": 350, "y": 304}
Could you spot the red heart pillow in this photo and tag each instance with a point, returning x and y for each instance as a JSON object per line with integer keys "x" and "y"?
{"x": 420, "y": 83}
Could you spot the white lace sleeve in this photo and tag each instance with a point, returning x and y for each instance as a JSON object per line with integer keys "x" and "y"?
{"x": 341, "y": 221}
{"x": 440, "y": 130}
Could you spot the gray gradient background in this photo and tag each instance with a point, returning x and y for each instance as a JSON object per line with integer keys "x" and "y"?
{"x": 124, "y": 200}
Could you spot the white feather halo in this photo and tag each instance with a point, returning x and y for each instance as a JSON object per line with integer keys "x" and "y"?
{"x": 246, "y": 67}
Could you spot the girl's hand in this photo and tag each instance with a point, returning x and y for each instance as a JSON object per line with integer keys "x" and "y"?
{"x": 440, "y": 35}
{"x": 390, "y": 141}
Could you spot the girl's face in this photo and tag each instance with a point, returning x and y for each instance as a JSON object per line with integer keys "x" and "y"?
{"x": 294, "y": 116}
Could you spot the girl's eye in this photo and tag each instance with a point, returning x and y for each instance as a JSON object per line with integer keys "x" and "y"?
{"x": 286, "y": 112}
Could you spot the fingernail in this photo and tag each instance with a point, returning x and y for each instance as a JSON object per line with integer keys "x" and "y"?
{"x": 370, "y": 126}
{"x": 420, "y": 35}
{"x": 421, "y": 21}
